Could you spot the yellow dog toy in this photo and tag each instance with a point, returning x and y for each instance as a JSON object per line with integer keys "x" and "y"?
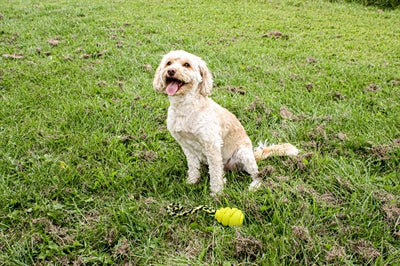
{"x": 229, "y": 217}
{"x": 226, "y": 216}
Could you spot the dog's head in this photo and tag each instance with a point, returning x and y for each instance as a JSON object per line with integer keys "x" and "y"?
{"x": 179, "y": 72}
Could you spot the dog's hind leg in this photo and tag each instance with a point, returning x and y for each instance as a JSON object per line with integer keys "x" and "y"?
{"x": 243, "y": 159}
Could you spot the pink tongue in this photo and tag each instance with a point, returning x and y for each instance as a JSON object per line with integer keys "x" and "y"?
{"x": 172, "y": 88}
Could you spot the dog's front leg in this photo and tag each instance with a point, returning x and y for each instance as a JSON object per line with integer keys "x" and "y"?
{"x": 193, "y": 162}
{"x": 215, "y": 165}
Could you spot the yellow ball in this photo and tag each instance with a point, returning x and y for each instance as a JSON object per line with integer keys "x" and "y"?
{"x": 229, "y": 217}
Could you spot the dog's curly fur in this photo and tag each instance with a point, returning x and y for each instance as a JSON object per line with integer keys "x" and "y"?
{"x": 206, "y": 131}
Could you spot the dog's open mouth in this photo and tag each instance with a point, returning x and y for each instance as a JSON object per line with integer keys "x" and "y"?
{"x": 174, "y": 85}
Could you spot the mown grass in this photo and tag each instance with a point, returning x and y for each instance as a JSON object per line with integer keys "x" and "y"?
{"x": 87, "y": 166}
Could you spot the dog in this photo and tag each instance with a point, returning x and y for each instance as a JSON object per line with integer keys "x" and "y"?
{"x": 206, "y": 131}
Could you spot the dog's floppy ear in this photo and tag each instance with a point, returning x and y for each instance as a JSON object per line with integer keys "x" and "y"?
{"x": 158, "y": 83}
{"x": 205, "y": 87}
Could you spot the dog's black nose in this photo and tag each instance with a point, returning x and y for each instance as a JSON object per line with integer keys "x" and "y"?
{"x": 171, "y": 72}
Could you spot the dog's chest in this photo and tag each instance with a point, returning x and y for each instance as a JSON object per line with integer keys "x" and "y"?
{"x": 177, "y": 123}
{"x": 188, "y": 140}
{"x": 182, "y": 120}
{"x": 183, "y": 129}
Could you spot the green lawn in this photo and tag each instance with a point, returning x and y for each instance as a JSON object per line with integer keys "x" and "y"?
{"x": 87, "y": 166}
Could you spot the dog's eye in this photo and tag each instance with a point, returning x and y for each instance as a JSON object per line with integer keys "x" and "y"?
{"x": 169, "y": 63}
{"x": 186, "y": 65}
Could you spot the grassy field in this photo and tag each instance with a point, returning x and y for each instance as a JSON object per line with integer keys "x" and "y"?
{"x": 87, "y": 166}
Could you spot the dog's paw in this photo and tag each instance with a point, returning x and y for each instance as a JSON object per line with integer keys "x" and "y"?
{"x": 193, "y": 177}
{"x": 216, "y": 189}
{"x": 255, "y": 185}
{"x": 192, "y": 180}
{"x": 215, "y": 194}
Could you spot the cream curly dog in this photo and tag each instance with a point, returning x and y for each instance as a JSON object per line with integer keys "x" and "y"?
{"x": 206, "y": 131}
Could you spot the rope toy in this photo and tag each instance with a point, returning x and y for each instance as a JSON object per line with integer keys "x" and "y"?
{"x": 226, "y": 216}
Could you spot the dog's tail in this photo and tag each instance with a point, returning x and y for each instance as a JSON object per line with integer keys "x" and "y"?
{"x": 285, "y": 149}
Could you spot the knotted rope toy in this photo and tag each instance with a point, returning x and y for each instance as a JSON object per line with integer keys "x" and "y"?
{"x": 226, "y": 216}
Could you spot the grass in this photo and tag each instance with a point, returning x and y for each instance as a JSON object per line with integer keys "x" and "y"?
{"x": 87, "y": 165}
